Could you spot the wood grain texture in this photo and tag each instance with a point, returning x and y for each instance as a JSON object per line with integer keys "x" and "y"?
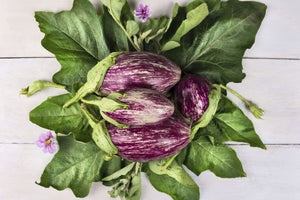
{"x": 271, "y": 83}
{"x": 278, "y": 37}
{"x": 272, "y": 174}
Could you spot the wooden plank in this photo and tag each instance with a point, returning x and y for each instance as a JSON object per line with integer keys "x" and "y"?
{"x": 279, "y": 35}
{"x": 272, "y": 174}
{"x": 272, "y": 84}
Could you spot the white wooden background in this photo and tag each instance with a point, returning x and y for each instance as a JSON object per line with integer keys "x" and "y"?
{"x": 273, "y": 71}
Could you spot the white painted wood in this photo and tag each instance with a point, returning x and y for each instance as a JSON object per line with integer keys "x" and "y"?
{"x": 279, "y": 35}
{"x": 272, "y": 84}
{"x": 272, "y": 174}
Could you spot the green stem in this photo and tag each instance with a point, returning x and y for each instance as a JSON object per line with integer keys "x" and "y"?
{"x": 158, "y": 46}
{"x": 254, "y": 109}
{"x": 51, "y": 84}
{"x": 236, "y": 94}
{"x": 169, "y": 162}
{"x": 122, "y": 27}
{"x": 91, "y": 119}
{"x": 39, "y": 85}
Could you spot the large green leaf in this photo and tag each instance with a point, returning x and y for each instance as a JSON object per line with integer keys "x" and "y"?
{"x": 230, "y": 124}
{"x": 76, "y": 38}
{"x": 76, "y": 165}
{"x": 122, "y": 15}
{"x": 215, "y": 48}
{"x": 189, "y": 17}
{"x": 174, "y": 181}
{"x": 220, "y": 159}
{"x": 51, "y": 115}
{"x": 115, "y": 36}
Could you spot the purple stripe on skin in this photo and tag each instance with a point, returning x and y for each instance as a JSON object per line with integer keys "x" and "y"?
{"x": 146, "y": 143}
{"x": 141, "y": 69}
{"x": 191, "y": 96}
{"x": 146, "y": 107}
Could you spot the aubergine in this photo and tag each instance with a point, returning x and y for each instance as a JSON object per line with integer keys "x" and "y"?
{"x": 146, "y": 107}
{"x": 191, "y": 96}
{"x": 146, "y": 143}
{"x": 126, "y": 70}
{"x": 140, "y": 69}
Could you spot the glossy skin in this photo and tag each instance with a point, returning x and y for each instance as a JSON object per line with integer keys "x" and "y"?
{"x": 191, "y": 97}
{"x": 146, "y": 107}
{"x": 146, "y": 143}
{"x": 141, "y": 69}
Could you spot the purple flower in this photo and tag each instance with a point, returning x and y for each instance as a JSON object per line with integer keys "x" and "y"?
{"x": 46, "y": 142}
{"x": 142, "y": 12}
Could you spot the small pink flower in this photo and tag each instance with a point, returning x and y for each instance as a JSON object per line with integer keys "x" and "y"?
{"x": 143, "y": 12}
{"x": 46, "y": 142}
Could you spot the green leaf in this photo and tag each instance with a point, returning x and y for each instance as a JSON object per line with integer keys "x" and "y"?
{"x": 115, "y": 7}
{"x": 226, "y": 33}
{"x": 119, "y": 173}
{"x": 76, "y": 165}
{"x": 115, "y": 36}
{"x": 76, "y": 38}
{"x": 193, "y": 18}
{"x": 132, "y": 27}
{"x": 174, "y": 181}
{"x": 115, "y": 165}
{"x": 135, "y": 190}
{"x": 219, "y": 159}
{"x": 174, "y": 170}
{"x": 213, "y": 98}
{"x": 230, "y": 124}
{"x": 154, "y": 28}
{"x": 119, "y": 10}
{"x": 212, "y": 5}
{"x": 51, "y": 115}
{"x": 121, "y": 13}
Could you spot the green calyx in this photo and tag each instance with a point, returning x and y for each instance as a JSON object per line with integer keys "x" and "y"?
{"x": 95, "y": 78}
{"x": 100, "y": 134}
{"x": 213, "y": 99}
{"x": 112, "y": 121}
{"x": 109, "y": 104}
{"x": 37, "y": 86}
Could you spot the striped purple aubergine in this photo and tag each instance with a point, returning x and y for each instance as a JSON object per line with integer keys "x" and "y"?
{"x": 191, "y": 96}
{"x": 146, "y": 143}
{"x": 146, "y": 107}
{"x": 141, "y": 69}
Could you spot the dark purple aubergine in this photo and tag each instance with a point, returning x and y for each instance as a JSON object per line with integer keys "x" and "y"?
{"x": 146, "y": 107}
{"x": 191, "y": 96}
{"x": 143, "y": 70}
{"x": 146, "y": 143}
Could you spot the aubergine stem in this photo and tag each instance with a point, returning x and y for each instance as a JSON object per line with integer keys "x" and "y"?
{"x": 254, "y": 109}
{"x": 39, "y": 85}
{"x": 100, "y": 135}
{"x": 169, "y": 162}
{"x": 123, "y": 28}
{"x": 91, "y": 118}
{"x": 106, "y": 104}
